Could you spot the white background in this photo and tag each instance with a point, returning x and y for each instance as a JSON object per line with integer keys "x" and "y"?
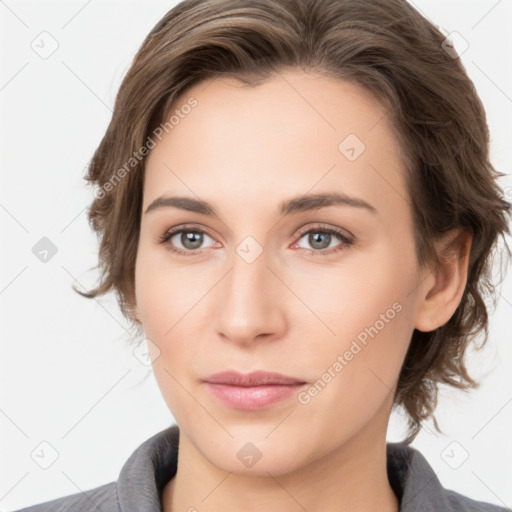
{"x": 68, "y": 376}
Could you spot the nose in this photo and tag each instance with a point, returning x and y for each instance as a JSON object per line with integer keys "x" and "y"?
{"x": 250, "y": 302}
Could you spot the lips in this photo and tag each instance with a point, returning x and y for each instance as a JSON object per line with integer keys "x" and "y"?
{"x": 252, "y": 391}
{"x": 258, "y": 378}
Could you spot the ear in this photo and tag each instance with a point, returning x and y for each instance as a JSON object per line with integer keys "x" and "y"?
{"x": 441, "y": 289}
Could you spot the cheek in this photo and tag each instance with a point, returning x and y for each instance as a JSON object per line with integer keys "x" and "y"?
{"x": 355, "y": 373}
{"x": 166, "y": 309}
{"x": 364, "y": 314}
{"x": 170, "y": 303}
{"x": 165, "y": 294}
{"x": 354, "y": 294}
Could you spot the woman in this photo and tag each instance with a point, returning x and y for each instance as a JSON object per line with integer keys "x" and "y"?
{"x": 296, "y": 208}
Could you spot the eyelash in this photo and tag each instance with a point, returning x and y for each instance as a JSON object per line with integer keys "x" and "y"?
{"x": 346, "y": 241}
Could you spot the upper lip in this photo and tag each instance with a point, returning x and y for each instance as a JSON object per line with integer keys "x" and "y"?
{"x": 257, "y": 378}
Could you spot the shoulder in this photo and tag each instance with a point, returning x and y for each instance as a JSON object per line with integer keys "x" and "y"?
{"x": 461, "y": 503}
{"x": 102, "y": 498}
{"x": 416, "y": 483}
{"x": 138, "y": 486}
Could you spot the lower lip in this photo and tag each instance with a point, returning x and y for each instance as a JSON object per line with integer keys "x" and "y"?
{"x": 252, "y": 398}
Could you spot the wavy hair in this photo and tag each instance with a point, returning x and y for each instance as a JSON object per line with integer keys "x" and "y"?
{"x": 384, "y": 46}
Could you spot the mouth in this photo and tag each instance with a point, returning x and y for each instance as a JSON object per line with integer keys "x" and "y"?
{"x": 252, "y": 391}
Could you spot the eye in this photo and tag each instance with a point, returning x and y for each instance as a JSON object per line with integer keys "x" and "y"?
{"x": 189, "y": 240}
{"x": 184, "y": 240}
{"x": 323, "y": 240}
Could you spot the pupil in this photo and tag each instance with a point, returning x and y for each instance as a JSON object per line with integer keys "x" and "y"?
{"x": 191, "y": 239}
{"x": 314, "y": 238}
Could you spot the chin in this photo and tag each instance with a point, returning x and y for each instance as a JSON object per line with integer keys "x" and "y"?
{"x": 254, "y": 453}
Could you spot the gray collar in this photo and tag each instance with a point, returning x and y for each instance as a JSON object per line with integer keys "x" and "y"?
{"x": 153, "y": 464}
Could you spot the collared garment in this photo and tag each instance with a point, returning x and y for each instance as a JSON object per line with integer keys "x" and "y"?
{"x": 149, "y": 468}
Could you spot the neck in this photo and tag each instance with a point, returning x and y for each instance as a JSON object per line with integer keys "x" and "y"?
{"x": 352, "y": 477}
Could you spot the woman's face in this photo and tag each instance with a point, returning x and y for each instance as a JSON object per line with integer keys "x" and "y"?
{"x": 273, "y": 276}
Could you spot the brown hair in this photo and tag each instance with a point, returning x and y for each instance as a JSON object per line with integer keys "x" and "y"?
{"x": 384, "y": 46}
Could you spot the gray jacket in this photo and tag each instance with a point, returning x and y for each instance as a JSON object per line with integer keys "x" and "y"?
{"x": 154, "y": 462}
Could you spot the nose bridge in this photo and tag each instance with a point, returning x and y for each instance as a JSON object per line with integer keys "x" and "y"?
{"x": 248, "y": 305}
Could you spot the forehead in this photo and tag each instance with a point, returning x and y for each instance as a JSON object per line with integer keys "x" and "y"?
{"x": 292, "y": 133}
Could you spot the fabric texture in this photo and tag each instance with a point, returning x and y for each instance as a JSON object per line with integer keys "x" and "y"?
{"x": 146, "y": 472}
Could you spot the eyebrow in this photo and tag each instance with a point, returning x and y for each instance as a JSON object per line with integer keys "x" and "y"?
{"x": 287, "y": 207}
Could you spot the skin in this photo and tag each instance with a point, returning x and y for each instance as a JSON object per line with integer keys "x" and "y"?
{"x": 244, "y": 150}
